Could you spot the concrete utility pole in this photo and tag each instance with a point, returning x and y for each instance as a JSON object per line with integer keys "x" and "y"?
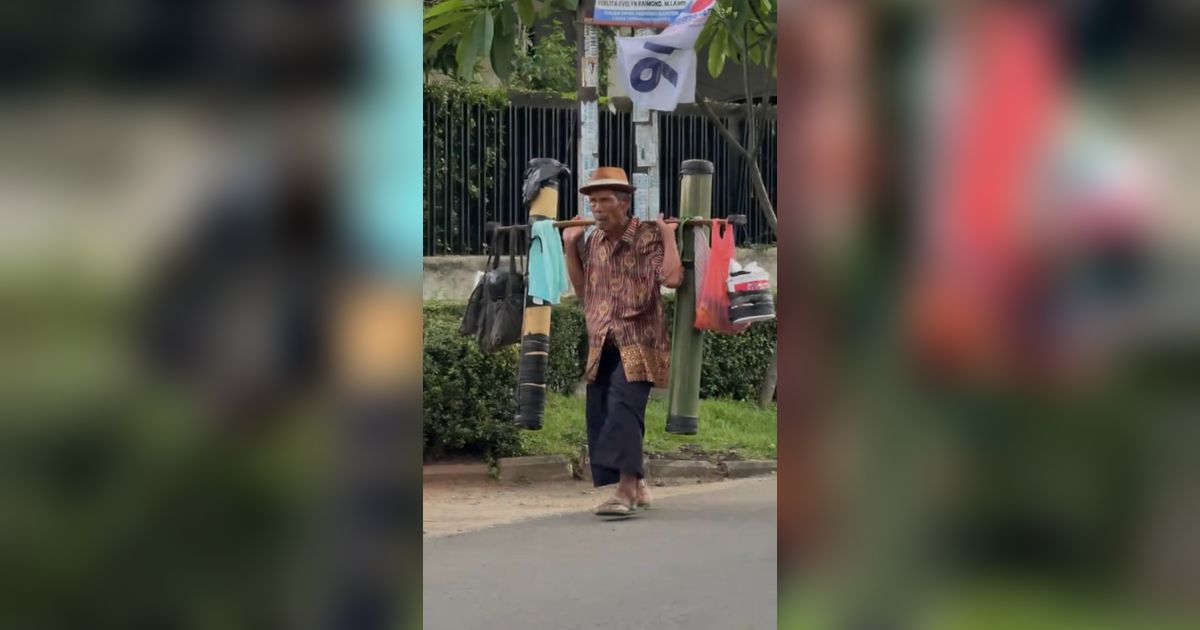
{"x": 646, "y": 171}
{"x": 587, "y": 41}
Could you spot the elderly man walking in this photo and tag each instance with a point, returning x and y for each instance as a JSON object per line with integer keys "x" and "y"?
{"x": 616, "y": 272}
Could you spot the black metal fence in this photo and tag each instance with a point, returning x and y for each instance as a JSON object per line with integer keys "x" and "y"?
{"x": 475, "y": 156}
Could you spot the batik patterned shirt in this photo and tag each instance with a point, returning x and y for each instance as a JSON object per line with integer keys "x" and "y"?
{"x": 622, "y": 300}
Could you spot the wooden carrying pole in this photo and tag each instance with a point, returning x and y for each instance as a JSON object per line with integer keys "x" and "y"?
{"x": 541, "y": 196}
{"x": 733, "y": 219}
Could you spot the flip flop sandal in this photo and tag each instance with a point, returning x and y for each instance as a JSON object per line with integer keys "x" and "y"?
{"x": 615, "y": 507}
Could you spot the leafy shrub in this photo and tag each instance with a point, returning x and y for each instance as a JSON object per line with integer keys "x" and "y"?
{"x": 550, "y": 65}
{"x": 568, "y": 347}
{"x": 568, "y": 341}
{"x": 469, "y": 396}
{"x": 734, "y": 366}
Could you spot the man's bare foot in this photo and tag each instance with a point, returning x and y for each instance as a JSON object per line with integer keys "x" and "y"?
{"x": 643, "y": 494}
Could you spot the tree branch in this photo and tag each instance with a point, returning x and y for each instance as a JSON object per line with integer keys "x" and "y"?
{"x": 760, "y": 188}
{"x": 753, "y": 138}
{"x": 716, "y": 120}
{"x": 754, "y": 9}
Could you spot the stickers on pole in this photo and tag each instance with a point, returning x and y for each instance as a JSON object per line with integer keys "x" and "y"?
{"x": 652, "y": 197}
{"x": 589, "y": 158}
{"x": 641, "y": 181}
{"x": 646, "y": 137}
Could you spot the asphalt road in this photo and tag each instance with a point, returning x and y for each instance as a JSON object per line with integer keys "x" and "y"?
{"x": 696, "y": 561}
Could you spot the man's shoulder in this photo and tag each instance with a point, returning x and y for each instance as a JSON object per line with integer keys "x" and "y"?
{"x": 647, "y": 234}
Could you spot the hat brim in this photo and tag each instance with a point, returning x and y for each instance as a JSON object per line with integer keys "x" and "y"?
{"x": 606, "y": 184}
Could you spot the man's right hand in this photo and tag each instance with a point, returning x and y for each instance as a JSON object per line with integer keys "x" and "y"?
{"x": 572, "y": 235}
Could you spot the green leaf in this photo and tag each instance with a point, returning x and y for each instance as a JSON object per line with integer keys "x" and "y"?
{"x": 508, "y": 21}
{"x": 570, "y": 5}
{"x": 447, "y": 19}
{"x": 504, "y": 51}
{"x": 445, "y": 7}
{"x": 443, "y": 38}
{"x": 706, "y": 35}
{"x": 717, "y": 53}
{"x": 470, "y": 46}
{"x": 525, "y": 10}
{"x": 741, "y": 13}
{"x": 489, "y": 32}
{"x": 756, "y": 55}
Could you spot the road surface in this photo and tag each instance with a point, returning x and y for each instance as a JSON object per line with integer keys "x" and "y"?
{"x": 697, "y": 561}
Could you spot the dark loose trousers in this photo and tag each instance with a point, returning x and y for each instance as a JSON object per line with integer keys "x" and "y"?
{"x": 616, "y": 421}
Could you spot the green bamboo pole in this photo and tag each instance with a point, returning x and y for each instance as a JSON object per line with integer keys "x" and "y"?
{"x": 687, "y": 343}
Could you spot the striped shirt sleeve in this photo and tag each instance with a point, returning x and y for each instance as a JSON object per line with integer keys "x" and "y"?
{"x": 584, "y": 244}
{"x": 656, "y": 253}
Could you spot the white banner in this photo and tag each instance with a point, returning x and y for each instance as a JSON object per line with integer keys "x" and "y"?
{"x": 659, "y": 71}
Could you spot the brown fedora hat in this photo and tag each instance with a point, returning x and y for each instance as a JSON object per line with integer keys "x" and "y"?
{"x": 607, "y": 178}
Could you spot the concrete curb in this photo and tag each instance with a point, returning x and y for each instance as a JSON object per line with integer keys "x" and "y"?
{"x": 686, "y": 469}
{"x": 749, "y": 468}
{"x": 456, "y": 472}
{"x": 536, "y": 468}
{"x": 558, "y": 468}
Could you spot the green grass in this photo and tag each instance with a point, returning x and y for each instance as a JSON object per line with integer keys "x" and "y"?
{"x": 726, "y": 426}
{"x": 982, "y": 604}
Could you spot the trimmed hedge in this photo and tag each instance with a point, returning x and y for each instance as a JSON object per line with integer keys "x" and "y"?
{"x": 568, "y": 341}
{"x": 470, "y": 395}
{"x": 734, "y": 367}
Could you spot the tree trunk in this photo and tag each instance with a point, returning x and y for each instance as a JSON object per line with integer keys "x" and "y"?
{"x": 764, "y": 199}
{"x": 766, "y": 391}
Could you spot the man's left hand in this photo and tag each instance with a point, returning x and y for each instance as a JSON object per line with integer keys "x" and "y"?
{"x": 663, "y": 226}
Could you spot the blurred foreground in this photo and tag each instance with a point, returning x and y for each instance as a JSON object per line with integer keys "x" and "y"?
{"x": 989, "y": 381}
{"x": 208, "y": 326}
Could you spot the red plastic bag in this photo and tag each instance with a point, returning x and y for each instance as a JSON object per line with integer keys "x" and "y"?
{"x": 712, "y": 301}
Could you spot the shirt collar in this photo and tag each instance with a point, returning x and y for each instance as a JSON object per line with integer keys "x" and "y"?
{"x": 630, "y": 232}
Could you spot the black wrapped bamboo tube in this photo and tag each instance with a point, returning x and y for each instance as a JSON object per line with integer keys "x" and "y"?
{"x": 541, "y": 196}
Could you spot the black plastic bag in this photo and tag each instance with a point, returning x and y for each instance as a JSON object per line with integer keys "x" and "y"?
{"x": 502, "y": 296}
{"x": 504, "y": 319}
{"x": 474, "y": 316}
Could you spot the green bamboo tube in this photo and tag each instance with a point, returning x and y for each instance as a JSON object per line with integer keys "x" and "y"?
{"x": 687, "y": 343}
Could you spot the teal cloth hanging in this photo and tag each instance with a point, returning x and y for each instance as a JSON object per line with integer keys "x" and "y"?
{"x": 547, "y": 266}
